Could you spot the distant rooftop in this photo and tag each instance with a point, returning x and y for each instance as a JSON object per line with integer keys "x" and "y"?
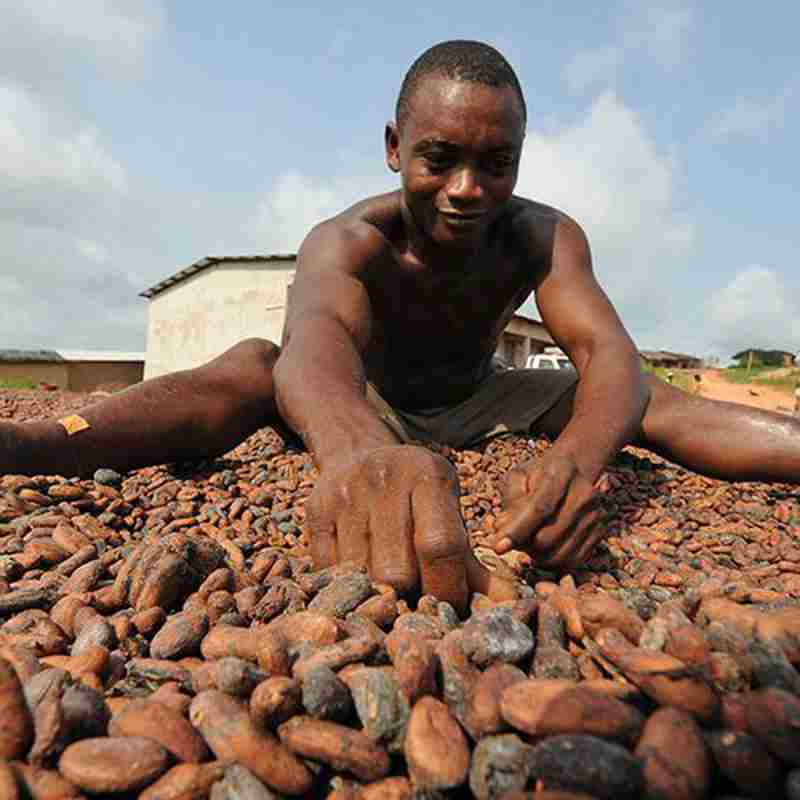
{"x": 666, "y": 355}
{"x": 207, "y": 262}
{"x": 11, "y": 356}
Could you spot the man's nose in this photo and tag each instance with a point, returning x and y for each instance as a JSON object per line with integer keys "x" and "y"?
{"x": 465, "y": 186}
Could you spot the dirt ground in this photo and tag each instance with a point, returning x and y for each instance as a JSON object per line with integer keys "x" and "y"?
{"x": 714, "y": 386}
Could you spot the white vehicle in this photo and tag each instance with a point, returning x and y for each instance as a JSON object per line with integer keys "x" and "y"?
{"x": 547, "y": 360}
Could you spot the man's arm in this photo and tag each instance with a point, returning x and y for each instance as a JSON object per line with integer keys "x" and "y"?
{"x": 319, "y": 376}
{"x": 551, "y": 505}
{"x": 392, "y": 508}
{"x": 612, "y": 394}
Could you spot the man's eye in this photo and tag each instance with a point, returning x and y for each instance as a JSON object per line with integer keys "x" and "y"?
{"x": 500, "y": 165}
{"x": 437, "y": 163}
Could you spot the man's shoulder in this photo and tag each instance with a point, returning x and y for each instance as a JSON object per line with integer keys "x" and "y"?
{"x": 537, "y": 217}
{"x": 534, "y": 225}
{"x": 374, "y": 217}
{"x": 361, "y": 232}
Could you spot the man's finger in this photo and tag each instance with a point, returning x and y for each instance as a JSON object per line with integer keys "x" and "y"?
{"x": 598, "y": 533}
{"x": 352, "y": 536}
{"x": 321, "y": 530}
{"x": 440, "y": 542}
{"x": 515, "y": 527}
{"x": 393, "y": 559}
{"x": 571, "y": 518}
{"x": 515, "y": 485}
{"x": 566, "y": 553}
{"x": 483, "y": 580}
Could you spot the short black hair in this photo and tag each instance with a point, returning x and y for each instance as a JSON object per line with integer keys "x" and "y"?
{"x": 459, "y": 59}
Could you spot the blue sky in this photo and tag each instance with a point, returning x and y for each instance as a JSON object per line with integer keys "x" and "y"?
{"x": 139, "y": 137}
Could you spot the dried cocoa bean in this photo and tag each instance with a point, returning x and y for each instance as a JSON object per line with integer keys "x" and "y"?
{"x": 153, "y": 720}
{"x": 340, "y": 747}
{"x": 587, "y": 764}
{"x": 113, "y": 764}
{"x": 435, "y": 747}
{"x": 226, "y": 726}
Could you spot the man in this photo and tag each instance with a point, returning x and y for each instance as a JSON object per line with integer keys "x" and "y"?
{"x": 396, "y": 309}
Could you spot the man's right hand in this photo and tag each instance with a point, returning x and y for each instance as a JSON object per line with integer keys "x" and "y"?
{"x": 395, "y": 510}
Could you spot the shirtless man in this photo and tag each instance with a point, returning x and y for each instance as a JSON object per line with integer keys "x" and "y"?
{"x": 396, "y": 310}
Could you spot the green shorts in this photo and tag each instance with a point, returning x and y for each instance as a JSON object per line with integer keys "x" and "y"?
{"x": 508, "y": 401}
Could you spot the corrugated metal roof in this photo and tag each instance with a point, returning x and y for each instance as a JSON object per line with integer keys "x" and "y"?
{"x": 101, "y": 355}
{"x": 207, "y": 262}
{"x": 666, "y": 355}
{"x": 62, "y": 356}
{"x": 27, "y": 356}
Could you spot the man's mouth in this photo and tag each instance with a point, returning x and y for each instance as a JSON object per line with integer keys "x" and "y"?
{"x": 463, "y": 219}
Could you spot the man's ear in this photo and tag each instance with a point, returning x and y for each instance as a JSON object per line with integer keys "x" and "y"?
{"x": 392, "y": 142}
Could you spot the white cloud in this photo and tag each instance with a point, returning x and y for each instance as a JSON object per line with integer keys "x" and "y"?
{"x": 607, "y": 173}
{"x": 755, "y": 309}
{"x": 593, "y": 67}
{"x": 37, "y": 38}
{"x": 54, "y": 170}
{"x": 40, "y": 146}
{"x": 751, "y": 116}
{"x": 297, "y": 202}
{"x": 658, "y": 30}
{"x": 59, "y": 187}
{"x": 94, "y": 251}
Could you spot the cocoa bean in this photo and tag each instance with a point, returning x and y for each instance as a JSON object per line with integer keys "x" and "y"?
{"x": 226, "y": 726}
{"x": 275, "y": 700}
{"x": 340, "y": 747}
{"x": 113, "y": 764}
{"x": 435, "y": 747}
{"x": 542, "y": 707}
{"x": 742, "y": 759}
{"x": 16, "y": 731}
{"x": 500, "y": 764}
{"x": 673, "y": 756}
{"x": 773, "y": 716}
{"x": 153, "y": 720}
{"x": 185, "y": 782}
{"x": 587, "y": 764}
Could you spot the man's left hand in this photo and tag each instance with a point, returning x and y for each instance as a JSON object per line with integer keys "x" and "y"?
{"x": 551, "y": 511}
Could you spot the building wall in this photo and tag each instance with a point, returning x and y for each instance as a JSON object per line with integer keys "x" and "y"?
{"x": 86, "y": 376}
{"x": 76, "y": 376}
{"x": 522, "y": 338}
{"x": 205, "y": 314}
{"x": 36, "y": 372}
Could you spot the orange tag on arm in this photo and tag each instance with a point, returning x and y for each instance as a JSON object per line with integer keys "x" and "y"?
{"x": 74, "y": 424}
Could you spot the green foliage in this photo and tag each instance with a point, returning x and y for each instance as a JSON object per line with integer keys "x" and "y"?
{"x": 783, "y": 381}
{"x": 679, "y": 379}
{"x": 741, "y": 375}
{"x": 17, "y": 383}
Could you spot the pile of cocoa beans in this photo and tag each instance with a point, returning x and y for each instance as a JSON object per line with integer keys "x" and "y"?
{"x": 163, "y": 635}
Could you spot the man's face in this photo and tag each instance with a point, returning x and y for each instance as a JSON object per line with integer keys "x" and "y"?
{"x": 458, "y": 153}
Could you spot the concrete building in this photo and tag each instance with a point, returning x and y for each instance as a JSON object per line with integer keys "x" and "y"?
{"x": 664, "y": 358}
{"x": 201, "y": 311}
{"x": 74, "y": 370}
{"x": 524, "y": 336}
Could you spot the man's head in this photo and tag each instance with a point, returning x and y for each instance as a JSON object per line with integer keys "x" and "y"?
{"x": 461, "y": 60}
{"x": 457, "y": 142}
